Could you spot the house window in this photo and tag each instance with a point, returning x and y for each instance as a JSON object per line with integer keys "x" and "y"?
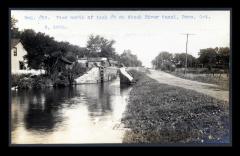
{"x": 14, "y": 51}
{"x": 21, "y": 65}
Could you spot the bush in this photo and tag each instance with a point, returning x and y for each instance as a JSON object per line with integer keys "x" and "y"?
{"x": 25, "y": 83}
{"x": 17, "y": 77}
{"x": 15, "y": 80}
{"x": 61, "y": 81}
{"x": 37, "y": 82}
{"x": 41, "y": 82}
{"x": 21, "y": 81}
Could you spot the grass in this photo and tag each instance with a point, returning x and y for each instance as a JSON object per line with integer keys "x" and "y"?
{"x": 159, "y": 113}
{"x": 221, "y": 80}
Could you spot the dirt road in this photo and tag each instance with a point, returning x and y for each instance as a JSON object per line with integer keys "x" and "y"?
{"x": 205, "y": 88}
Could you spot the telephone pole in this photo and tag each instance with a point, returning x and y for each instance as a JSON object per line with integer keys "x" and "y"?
{"x": 186, "y": 51}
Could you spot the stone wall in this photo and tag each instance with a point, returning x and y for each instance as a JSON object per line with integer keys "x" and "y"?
{"x": 93, "y": 75}
{"x": 110, "y": 73}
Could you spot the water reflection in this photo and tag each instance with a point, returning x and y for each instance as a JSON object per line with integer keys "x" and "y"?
{"x": 81, "y": 114}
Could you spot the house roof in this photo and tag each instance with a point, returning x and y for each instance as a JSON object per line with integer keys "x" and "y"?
{"x": 65, "y": 60}
{"x": 112, "y": 61}
{"x": 83, "y": 58}
{"x": 97, "y": 59}
{"x": 14, "y": 42}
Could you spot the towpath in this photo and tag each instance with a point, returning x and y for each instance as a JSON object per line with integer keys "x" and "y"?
{"x": 205, "y": 88}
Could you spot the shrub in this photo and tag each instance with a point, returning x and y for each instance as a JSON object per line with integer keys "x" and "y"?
{"x": 41, "y": 82}
{"x": 16, "y": 78}
{"x": 37, "y": 82}
{"x": 61, "y": 81}
{"x": 25, "y": 83}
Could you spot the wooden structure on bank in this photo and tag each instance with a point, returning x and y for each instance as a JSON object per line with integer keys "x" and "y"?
{"x": 125, "y": 77}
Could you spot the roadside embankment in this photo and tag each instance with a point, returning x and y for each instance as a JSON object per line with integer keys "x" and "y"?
{"x": 160, "y": 113}
{"x": 205, "y": 88}
{"x": 222, "y": 80}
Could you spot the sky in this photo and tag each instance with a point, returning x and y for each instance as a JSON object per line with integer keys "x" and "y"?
{"x": 145, "y": 33}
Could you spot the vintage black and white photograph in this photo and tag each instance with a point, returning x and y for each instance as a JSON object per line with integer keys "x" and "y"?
{"x": 157, "y": 77}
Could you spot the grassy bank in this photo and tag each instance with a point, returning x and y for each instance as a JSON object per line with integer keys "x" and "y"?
{"x": 221, "y": 80}
{"x": 28, "y": 81}
{"x": 61, "y": 79}
{"x": 159, "y": 113}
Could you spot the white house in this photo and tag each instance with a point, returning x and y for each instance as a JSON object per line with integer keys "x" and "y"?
{"x": 17, "y": 52}
{"x": 18, "y": 64}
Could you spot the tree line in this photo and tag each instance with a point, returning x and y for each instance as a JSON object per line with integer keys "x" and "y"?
{"x": 43, "y": 51}
{"x": 208, "y": 58}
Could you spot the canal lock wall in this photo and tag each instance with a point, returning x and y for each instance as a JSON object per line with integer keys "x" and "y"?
{"x": 98, "y": 75}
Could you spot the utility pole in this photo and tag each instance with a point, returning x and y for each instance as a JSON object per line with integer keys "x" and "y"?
{"x": 186, "y": 51}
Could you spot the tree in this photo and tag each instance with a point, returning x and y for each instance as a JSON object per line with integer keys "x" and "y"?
{"x": 100, "y": 47}
{"x": 82, "y": 52}
{"x": 13, "y": 29}
{"x": 129, "y": 59}
{"x": 179, "y": 60}
{"x": 208, "y": 57}
{"x": 161, "y": 58}
{"x": 13, "y": 22}
{"x": 223, "y": 54}
{"x": 42, "y": 50}
{"x": 74, "y": 71}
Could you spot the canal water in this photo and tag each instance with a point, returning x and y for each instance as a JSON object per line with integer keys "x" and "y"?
{"x": 88, "y": 113}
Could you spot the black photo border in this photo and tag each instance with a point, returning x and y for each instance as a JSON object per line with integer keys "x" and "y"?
{"x": 121, "y": 5}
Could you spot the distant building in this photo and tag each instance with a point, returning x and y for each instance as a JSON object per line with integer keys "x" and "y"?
{"x": 96, "y": 61}
{"x": 17, "y": 56}
{"x": 83, "y": 61}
